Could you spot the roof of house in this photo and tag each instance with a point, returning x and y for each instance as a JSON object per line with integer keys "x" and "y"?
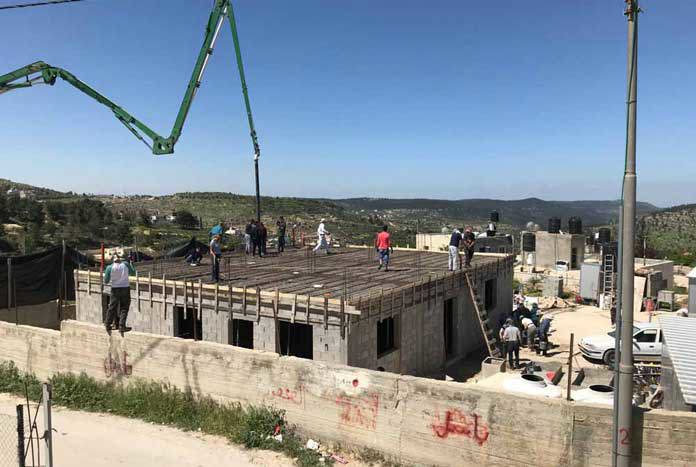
{"x": 678, "y": 334}
{"x": 350, "y": 272}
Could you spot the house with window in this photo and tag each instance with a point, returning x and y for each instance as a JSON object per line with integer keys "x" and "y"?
{"x": 413, "y": 319}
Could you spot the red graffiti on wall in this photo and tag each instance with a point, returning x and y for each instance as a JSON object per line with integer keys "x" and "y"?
{"x": 114, "y": 367}
{"x": 359, "y": 411}
{"x": 456, "y": 422}
{"x": 292, "y": 395}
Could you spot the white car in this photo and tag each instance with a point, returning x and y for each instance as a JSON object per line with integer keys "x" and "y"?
{"x": 647, "y": 344}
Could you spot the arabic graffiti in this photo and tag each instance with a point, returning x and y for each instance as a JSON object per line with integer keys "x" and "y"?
{"x": 456, "y": 423}
{"x": 115, "y": 367}
{"x": 295, "y": 396}
{"x": 359, "y": 411}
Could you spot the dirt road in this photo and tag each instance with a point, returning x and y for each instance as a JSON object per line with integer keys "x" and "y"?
{"x": 100, "y": 440}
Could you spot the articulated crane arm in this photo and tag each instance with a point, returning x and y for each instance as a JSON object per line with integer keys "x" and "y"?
{"x": 41, "y": 72}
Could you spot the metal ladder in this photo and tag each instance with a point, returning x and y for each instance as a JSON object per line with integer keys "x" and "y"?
{"x": 482, "y": 315}
{"x": 608, "y": 279}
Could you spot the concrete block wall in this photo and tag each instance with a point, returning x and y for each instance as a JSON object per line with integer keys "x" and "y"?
{"x": 265, "y": 335}
{"x": 328, "y": 345}
{"x": 558, "y": 247}
{"x": 413, "y": 420}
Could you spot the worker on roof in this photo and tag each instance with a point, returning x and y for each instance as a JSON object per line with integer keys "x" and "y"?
{"x": 469, "y": 240}
{"x": 247, "y": 236}
{"x": 455, "y": 240}
{"x": 281, "y": 227}
{"x": 117, "y": 274}
{"x": 384, "y": 248}
{"x": 322, "y": 242}
{"x": 215, "y": 255}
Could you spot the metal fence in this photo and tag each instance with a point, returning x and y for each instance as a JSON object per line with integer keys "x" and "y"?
{"x": 9, "y": 439}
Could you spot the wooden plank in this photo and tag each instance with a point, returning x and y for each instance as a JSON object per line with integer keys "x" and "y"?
{"x": 217, "y": 297}
{"x": 230, "y": 302}
{"x": 149, "y": 278}
{"x": 258, "y": 304}
{"x": 326, "y": 312}
{"x": 137, "y": 290}
{"x": 185, "y": 300}
{"x": 276, "y": 300}
{"x": 294, "y": 309}
{"x": 89, "y": 286}
{"x": 342, "y": 317}
{"x": 307, "y": 309}
{"x": 244, "y": 301}
{"x": 200, "y": 299}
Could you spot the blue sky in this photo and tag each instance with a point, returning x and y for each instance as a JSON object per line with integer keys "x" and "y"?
{"x": 442, "y": 99}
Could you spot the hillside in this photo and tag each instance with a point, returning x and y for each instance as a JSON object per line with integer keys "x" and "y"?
{"x": 671, "y": 233}
{"x": 30, "y": 190}
{"x": 514, "y": 212}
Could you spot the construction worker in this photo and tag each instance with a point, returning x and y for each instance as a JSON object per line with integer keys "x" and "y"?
{"x": 215, "y": 255}
{"x": 469, "y": 242}
{"x": 455, "y": 241}
{"x": 117, "y": 274}
{"x": 531, "y": 330}
{"x": 383, "y": 246}
{"x": 263, "y": 238}
{"x": 544, "y": 329}
{"x": 512, "y": 339}
{"x": 195, "y": 257}
{"x": 322, "y": 233}
{"x": 281, "y": 226}
{"x": 218, "y": 229}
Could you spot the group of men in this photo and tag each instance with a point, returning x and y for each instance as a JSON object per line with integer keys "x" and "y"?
{"x": 458, "y": 240}
{"x": 524, "y": 325}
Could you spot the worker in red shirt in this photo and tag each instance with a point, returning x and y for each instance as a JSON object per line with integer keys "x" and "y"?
{"x": 383, "y": 246}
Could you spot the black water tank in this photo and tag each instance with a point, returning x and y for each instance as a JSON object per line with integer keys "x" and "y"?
{"x": 604, "y": 235}
{"x": 528, "y": 241}
{"x": 495, "y": 217}
{"x": 575, "y": 225}
{"x": 554, "y": 225}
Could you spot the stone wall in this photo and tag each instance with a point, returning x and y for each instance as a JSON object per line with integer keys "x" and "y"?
{"x": 413, "y": 420}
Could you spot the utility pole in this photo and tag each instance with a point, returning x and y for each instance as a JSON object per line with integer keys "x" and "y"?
{"x": 623, "y": 426}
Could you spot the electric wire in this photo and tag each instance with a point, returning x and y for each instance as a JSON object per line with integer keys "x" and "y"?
{"x": 44, "y": 3}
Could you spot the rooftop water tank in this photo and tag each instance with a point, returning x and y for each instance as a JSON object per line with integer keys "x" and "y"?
{"x": 554, "y": 225}
{"x": 575, "y": 225}
{"x": 528, "y": 241}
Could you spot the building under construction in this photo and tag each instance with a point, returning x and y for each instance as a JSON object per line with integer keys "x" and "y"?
{"x": 337, "y": 308}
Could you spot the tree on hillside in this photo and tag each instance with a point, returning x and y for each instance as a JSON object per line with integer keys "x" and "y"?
{"x": 123, "y": 233}
{"x": 4, "y": 212}
{"x": 186, "y": 220}
{"x": 56, "y": 211}
{"x": 144, "y": 219}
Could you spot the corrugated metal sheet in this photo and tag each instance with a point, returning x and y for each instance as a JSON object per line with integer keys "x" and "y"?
{"x": 679, "y": 334}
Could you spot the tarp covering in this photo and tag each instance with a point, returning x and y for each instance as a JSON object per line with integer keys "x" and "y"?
{"x": 182, "y": 251}
{"x": 36, "y": 278}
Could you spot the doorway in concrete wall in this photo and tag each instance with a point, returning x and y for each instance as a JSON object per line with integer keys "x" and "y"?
{"x": 448, "y": 327}
{"x": 241, "y": 333}
{"x": 296, "y": 339}
{"x": 184, "y": 326}
{"x": 573, "y": 258}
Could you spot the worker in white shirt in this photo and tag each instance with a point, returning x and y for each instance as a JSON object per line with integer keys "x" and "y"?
{"x": 512, "y": 339}
{"x": 322, "y": 242}
{"x": 529, "y": 326}
{"x": 117, "y": 274}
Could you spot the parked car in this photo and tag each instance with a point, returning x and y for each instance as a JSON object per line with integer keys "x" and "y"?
{"x": 647, "y": 344}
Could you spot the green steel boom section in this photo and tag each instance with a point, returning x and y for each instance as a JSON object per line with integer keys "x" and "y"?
{"x": 42, "y": 72}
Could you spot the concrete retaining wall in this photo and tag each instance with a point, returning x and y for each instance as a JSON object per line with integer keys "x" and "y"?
{"x": 413, "y": 419}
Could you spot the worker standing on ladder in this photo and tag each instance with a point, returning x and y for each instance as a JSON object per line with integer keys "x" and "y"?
{"x": 117, "y": 274}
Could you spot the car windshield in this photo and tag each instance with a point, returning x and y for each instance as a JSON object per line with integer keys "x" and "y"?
{"x": 613, "y": 333}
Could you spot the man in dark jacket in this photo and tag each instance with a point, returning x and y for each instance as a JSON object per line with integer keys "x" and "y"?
{"x": 280, "y": 224}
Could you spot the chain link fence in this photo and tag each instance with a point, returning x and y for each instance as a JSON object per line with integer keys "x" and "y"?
{"x": 8, "y": 441}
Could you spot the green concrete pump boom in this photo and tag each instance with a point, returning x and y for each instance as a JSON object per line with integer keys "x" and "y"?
{"x": 41, "y": 72}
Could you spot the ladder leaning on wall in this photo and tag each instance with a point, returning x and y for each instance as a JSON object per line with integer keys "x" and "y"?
{"x": 482, "y": 316}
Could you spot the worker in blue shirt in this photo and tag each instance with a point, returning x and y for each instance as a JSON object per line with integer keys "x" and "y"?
{"x": 117, "y": 274}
